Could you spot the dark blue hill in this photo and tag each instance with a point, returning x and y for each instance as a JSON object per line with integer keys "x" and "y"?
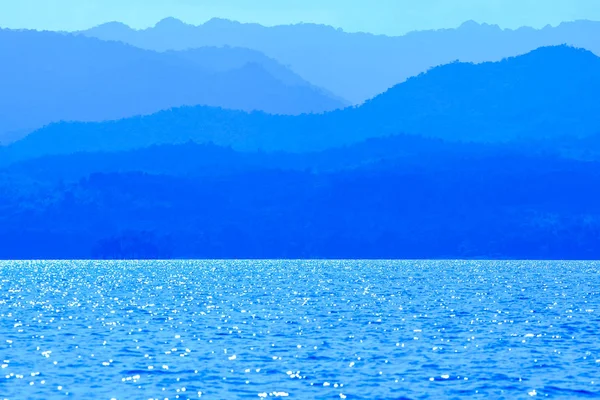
{"x": 502, "y": 205}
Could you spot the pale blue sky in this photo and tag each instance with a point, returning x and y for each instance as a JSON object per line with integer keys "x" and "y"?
{"x": 393, "y": 17}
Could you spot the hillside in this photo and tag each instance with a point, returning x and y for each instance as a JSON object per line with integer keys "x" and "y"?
{"x": 197, "y": 160}
{"x": 47, "y": 77}
{"x": 225, "y": 204}
{"x": 545, "y": 95}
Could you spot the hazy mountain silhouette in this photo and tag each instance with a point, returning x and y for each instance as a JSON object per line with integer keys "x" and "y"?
{"x": 223, "y": 59}
{"x": 356, "y": 66}
{"x": 48, "y": 77}
{"x": 545, "y": 95}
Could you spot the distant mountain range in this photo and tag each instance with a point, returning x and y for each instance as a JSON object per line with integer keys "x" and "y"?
{"x": 466, "y": 160}
{"x": 356, "y": 66}
{"x": 544, "y": 96}
{"x": 47, "y": 77}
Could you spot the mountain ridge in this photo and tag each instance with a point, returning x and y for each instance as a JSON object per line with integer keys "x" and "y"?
{"x": 543, "y": 95}
{"x": 48, "y": 77}
{"x": 174, "y": 21}
{"x": 358, "y": 66}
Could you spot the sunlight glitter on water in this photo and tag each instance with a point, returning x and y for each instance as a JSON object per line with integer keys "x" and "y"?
{"x": 299, "y": 329}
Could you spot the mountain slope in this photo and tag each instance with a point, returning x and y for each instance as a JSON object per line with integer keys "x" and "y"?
{"x": 545, "y": 96}
{"x": 356, "y": 66}
{"x": 549, "y": 92}
{"x": 223, "y": 59}
{"x": 47, "y": 77}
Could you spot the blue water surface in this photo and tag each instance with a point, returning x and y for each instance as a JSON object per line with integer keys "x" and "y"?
{"x": 299, "y": 329}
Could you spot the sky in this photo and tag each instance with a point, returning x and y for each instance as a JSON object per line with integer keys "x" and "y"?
{"x": 391, "y": 17}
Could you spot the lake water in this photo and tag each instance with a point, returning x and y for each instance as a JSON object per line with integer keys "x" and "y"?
{"x": 299, "y": 329}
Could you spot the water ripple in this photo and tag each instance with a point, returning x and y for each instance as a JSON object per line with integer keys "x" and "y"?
{"x": 299, "y": 329}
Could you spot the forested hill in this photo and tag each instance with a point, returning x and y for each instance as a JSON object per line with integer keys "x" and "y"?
{"x": 494, "y": 160}
{"x": 397, "y": 197}
{"x": 541, "y": 96}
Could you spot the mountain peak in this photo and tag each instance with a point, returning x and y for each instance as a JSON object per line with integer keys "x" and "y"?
{"x": 170, "y": 22}
{"x": 561, "y": 53}
{"x": 113, "y": 24}
{"x": 221, "y": 22}
{"x": 474, "y": 25}
{"x": 470, "y": 24}
{"x": 114, "y": 27}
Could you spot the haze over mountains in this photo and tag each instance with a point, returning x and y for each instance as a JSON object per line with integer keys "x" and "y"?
{"x": 48, "y": 77}
{"x": 547, "y": 94}
{"x": 356, "y": 66}
{"x": 497, "y": 159}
